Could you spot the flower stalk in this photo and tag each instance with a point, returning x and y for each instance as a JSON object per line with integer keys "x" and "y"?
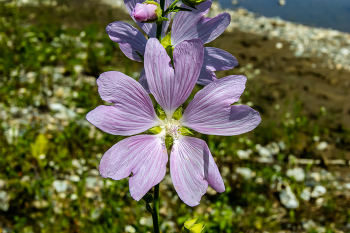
{"x": 155, "y": 213}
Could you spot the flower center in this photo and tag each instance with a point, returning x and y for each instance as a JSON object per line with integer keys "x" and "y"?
{"x": 172, "y": 128}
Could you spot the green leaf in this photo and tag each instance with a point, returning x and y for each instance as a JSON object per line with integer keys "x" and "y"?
{"x": 190, "y": 223}
{"x": 178, "y": 113}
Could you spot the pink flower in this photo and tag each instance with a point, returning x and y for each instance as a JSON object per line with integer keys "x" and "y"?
{"x": 144, "y": 12}
{"x": 192, "y": 166}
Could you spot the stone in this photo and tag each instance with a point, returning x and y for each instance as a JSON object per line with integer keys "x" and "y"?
{"x": 318, "y": 191}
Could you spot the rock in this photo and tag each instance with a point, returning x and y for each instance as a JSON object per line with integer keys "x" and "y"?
{"x": 74, "y": 178}
{"x": 288, "y": 198}
{"x": 130, "y": 229}
{"x": 305, "y": 194}
{"x": 264, "y": 152}
{"x": 4, "y": 200}
{"x": 297, "y": 173}
{"x": 242, "y": 154}
{"x": 318, "y": 191}
{"x": 322, "y": 146}
{"x": 40, "y": 204}
{"x": 60, "y": 185}
{"x": 282, "y": 2}
{"x": 245, "y": 172}
{"x": 279, "y": 45}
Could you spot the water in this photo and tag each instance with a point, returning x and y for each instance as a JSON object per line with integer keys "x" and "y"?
{"x": 333, "y": 14}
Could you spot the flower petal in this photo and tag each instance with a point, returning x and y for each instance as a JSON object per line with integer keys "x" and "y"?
{"x": 192, "y": 25}
{"x": 143, "y": 80}
{"x": 132, "y": 112}
{"x": 130, "y": 39}
{"x": 171, "y": 90}
{"x": 185, "y": 23}
{"x": 210, "y": 28}
{"x": 143, "y": 155}
{"x": 192, "y": 167}
{"x": 149, "y": 28}
{"x": 210, "y": 111}
{"x": 215, "y": 60}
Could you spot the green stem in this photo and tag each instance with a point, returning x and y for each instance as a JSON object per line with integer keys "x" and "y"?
{"x": 171, "y": 6}
{"x": 159, "y": 25}
{"x": 156, "y": 196}
{"x": 155, "y": 214}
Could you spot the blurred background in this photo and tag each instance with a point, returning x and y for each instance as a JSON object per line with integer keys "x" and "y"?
{"x": 290, "y": 174}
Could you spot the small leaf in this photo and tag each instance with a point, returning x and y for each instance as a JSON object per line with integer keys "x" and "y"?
{"x": 197, "y": 228}
{"x": 148, "y": 198}
{"x": 190, "y": 223}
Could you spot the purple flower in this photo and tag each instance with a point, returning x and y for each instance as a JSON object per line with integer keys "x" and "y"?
{"x": 192, "y": 166}
{"x": 145, "y": 12}
{"x": 186, "y": 26}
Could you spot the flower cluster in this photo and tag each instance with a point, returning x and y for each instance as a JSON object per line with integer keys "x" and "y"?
{"x": 172, "y": 67}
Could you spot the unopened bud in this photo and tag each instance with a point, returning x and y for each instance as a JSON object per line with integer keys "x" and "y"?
{"x": 145, "y": 12}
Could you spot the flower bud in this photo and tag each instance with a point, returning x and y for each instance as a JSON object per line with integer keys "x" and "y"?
{"x": 145, "y": 12}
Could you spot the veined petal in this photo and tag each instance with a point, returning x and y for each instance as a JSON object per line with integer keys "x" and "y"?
{"x": 171, "y": 90}
{"x": 149, "y": 28}
{"x": 185, "y": 23}
{"x": 143, "y": 80}
{"x": 143, "y": 155}
{"x": 211, "y": 112}
{"x": 132, "y": 112}
{"x": 215, "y": 60}
{"x": 210, "y": 28}
{"x": 130, "y": 39}
{"x": 192, "y": 167}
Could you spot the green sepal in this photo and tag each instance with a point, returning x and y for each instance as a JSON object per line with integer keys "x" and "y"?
{"x": 166, "y": 43}
{"x": 140, "y": 56}
{"x": 149, "y": 208}
{"x": 178, "y": 113}
{"x": 177, "y": 9}
{"x": 160, "y": 112}
{"x": 193, "y": 3}
{"x": 155, "y": 130}
{"x": 185, "y": 131}
{"x": 148, "y": 198}
{"x": 168, "y": 141}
